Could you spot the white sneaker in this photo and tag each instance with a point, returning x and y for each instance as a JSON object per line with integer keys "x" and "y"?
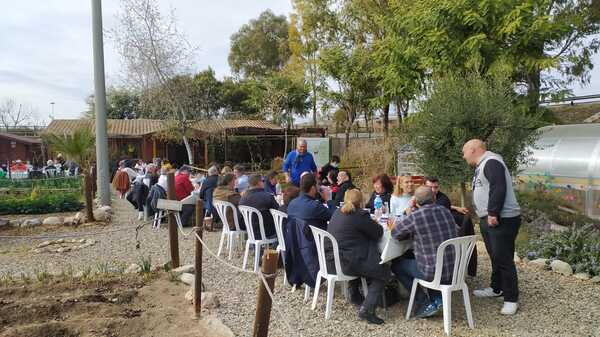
{"x": 487, "y": 292}
{"x": 509, "y": 308}
{"x": 140, "y": 215}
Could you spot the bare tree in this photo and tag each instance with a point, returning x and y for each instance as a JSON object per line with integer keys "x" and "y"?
{"x": 155, "y": 55}
{"x": 13, "y": 115}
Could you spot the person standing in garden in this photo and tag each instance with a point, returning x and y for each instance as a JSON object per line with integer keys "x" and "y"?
{"x": 500, "y": 218}
{"x": 297, "y": 162}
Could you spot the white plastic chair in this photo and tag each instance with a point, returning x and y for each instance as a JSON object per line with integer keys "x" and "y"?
{"x": 278, "y": 218}
{"x": 221, "y": 207}
{"x": 463, "y": 248}
{"x": 319, "y": 237}
{"x": 247, "y": 213}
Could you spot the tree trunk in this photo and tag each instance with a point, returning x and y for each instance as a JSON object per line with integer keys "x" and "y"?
{"x": 314, "y": 107}
{"x": 347, "y": 131}
{"x": 188, "y": 148}
{"x": 89, "y": 201}
{"x": 533, "y": 91}
{"x": 386, "y": 119}
{"x": 463, "y": 195}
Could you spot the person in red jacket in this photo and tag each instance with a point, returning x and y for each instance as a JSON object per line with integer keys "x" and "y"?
{"x": 183, "y": 184}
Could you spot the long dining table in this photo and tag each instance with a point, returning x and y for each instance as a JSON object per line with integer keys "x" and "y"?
{"x": 389, "y": 247}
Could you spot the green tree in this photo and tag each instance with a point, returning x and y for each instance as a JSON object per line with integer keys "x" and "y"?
{"x": 207, "y": 94}
{"x": 528, "y": 40}
{"x": 80, "y": 148}
{"x": 462, "y": 107}
{"x": 235, "y": 98}
{"x": 260, "y": 46}
{"x": 279, "y": 98}
{"x": 120, "y": 104}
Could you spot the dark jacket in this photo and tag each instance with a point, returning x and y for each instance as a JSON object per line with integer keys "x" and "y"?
{"x": 325, "y": 171}
{"x": 138, "y": 195}
{"x": 262, "y": 201}
{"x": 156, "y": 192}
{"x": 302, "y": 263}
{"x": 465, "y": 228}
{"x": 208, "y": 186}
{"x": 385, "y": 198}
{"x": 339, "y": 195}
{"x": 357, "y": 236}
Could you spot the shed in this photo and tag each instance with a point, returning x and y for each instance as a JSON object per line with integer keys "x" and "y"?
{"x": 566, "y": 161}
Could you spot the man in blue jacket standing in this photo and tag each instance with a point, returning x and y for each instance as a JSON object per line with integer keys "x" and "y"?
{"x": 298, "y": 162}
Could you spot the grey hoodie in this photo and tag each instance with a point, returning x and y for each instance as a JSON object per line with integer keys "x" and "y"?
{"x": 481, "y": 189}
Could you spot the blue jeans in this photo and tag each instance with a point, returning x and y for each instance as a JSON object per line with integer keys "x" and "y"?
{"x": 406, "y": 271}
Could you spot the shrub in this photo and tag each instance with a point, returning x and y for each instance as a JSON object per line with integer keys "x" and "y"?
{"x": 537, "y": 203}
{"x": 367, "y": 158}
{"x": 43, "y": 184}
{"x": 40, "y": 204}
{"x": 579, "y": 246}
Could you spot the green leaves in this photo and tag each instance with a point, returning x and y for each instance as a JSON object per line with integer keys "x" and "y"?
{"x": 78, "y": 146}
{"x": 45, "y": 203}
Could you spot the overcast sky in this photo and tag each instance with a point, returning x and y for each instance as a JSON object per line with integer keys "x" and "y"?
{"x": 46, "y": 53}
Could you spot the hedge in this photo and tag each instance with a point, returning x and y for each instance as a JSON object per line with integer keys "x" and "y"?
{"x": 41, "y": 204}
{"x": 46, "y": 183}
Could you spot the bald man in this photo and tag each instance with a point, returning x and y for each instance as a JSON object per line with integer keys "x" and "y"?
{"x": 500, "y": 218}
{"x": 297, "y": 162}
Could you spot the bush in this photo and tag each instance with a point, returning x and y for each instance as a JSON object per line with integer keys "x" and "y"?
{"x": 579, "y": 246}
{"x": 367, "y": 158}
{"x": 538, "y": 203}
{"x": 51, "y": 183}
{"x": 41, "y": 203}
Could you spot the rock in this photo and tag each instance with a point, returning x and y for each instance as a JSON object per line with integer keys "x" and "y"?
{"x": 15, "y": 223}
{"x": 543, "y": 222}
{"x": 71, "y": 221}
{"x": 525, "y": 260}
{"x": 133, "y": 269}
{"x": 582, "y": 276}
{"x": 101, "y": 215}
{"x": 90, "y": 241}
{"x": 540, "y": 263}
{"x": 59, "y": 241}
{"x": 187, "y": 278}
{"x": 31, "y": 223}
{"x": 79, "y": 274}
{"x": 4, "y": 223}
{"x": 212, "y": 326}
{"x": 517, "y": 259}
{"x": 558, "y": 228}
{"x": 561, "y": 267}
{"x": 53, "y": 221}
{"x": 189, "y": 296}
{"x": 209, "y": 300}
{"x": 44, "y": 244}
{"x": 596, "y": 279}
{"x": 79, "y": 216}
{"x": 106, "y": 209}
{"x": 63, "y": 249}
{"x": 188, "y": 268}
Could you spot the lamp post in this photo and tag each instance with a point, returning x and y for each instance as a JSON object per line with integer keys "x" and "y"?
{"x": 100, "y": 99}
{"x": 52, "y": 113}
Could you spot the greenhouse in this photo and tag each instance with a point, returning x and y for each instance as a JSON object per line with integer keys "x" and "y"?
{"x": 566, "y": 161}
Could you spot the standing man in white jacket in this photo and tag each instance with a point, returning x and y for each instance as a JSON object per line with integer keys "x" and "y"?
{"x": 500, "y": 218}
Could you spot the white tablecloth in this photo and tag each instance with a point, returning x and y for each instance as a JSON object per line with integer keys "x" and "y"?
{"x": 389, "y": 247}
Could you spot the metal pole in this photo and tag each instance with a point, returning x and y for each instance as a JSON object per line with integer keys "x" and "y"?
{"x": 100, "y": 98}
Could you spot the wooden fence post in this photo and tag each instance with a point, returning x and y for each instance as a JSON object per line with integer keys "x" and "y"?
{"x": 198, "y": 258}
{"x": 263, "y": 302}
{"x": 173, "y": 237}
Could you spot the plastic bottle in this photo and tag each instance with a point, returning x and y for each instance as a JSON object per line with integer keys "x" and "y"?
{"x": 378, "y": 205}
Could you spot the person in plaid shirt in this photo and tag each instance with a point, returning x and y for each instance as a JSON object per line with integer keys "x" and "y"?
{"x": 429, "y": 225}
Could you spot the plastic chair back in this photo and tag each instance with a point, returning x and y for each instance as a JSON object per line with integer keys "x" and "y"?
{"x": 247, "y": 215}
{"x": 463, "y": 248}
{"x": 221, "y": 207}
{"x": 278, "y": 218}
{"x": 319, "y": 237}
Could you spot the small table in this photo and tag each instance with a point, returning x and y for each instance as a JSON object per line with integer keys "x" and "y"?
{"x": 389, "y": 247}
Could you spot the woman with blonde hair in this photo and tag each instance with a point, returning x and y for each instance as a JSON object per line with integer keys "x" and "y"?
{"x": 357, "y": 236}
{"x": 402, "y": 196}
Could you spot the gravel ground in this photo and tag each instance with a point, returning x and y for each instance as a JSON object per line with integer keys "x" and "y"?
{"x": 551, "y": 305}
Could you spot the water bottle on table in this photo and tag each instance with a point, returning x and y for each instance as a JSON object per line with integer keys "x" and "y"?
{"x": 378, "y": 205}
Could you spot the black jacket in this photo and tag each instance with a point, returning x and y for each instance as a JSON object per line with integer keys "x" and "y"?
{"x": 339, "y": 195}
{"x": 262, "y": 201}
{"x": 357, "y": 236}
{"x": 385, "y": 198}
{"x": 208, "y": 186}
{"x": 325, "y": 171}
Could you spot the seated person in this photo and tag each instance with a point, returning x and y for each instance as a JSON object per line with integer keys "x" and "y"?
{"x": 440, "y": 198}
{"x": 241, "y": 184}
{"x": 383, "y": 188}
{"x": 357, "y": 236}
{"x": 183, "y": 184}
{"x": 302, "y": 264}
{"x": 429, "y": 225}
{"x": 332, "y": 166}
{"x": 344, "y": 184}
{"x": 271, "y": 183}
{"x": 256, "y": 197}
{"x": 289, "y": 194}
{"x": 225, "y": 192}
{"x": 402, "y": 196}
{"x": 208, "y": 186}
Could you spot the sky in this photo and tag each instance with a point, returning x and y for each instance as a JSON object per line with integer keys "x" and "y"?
{"x": 46, "y": 53}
